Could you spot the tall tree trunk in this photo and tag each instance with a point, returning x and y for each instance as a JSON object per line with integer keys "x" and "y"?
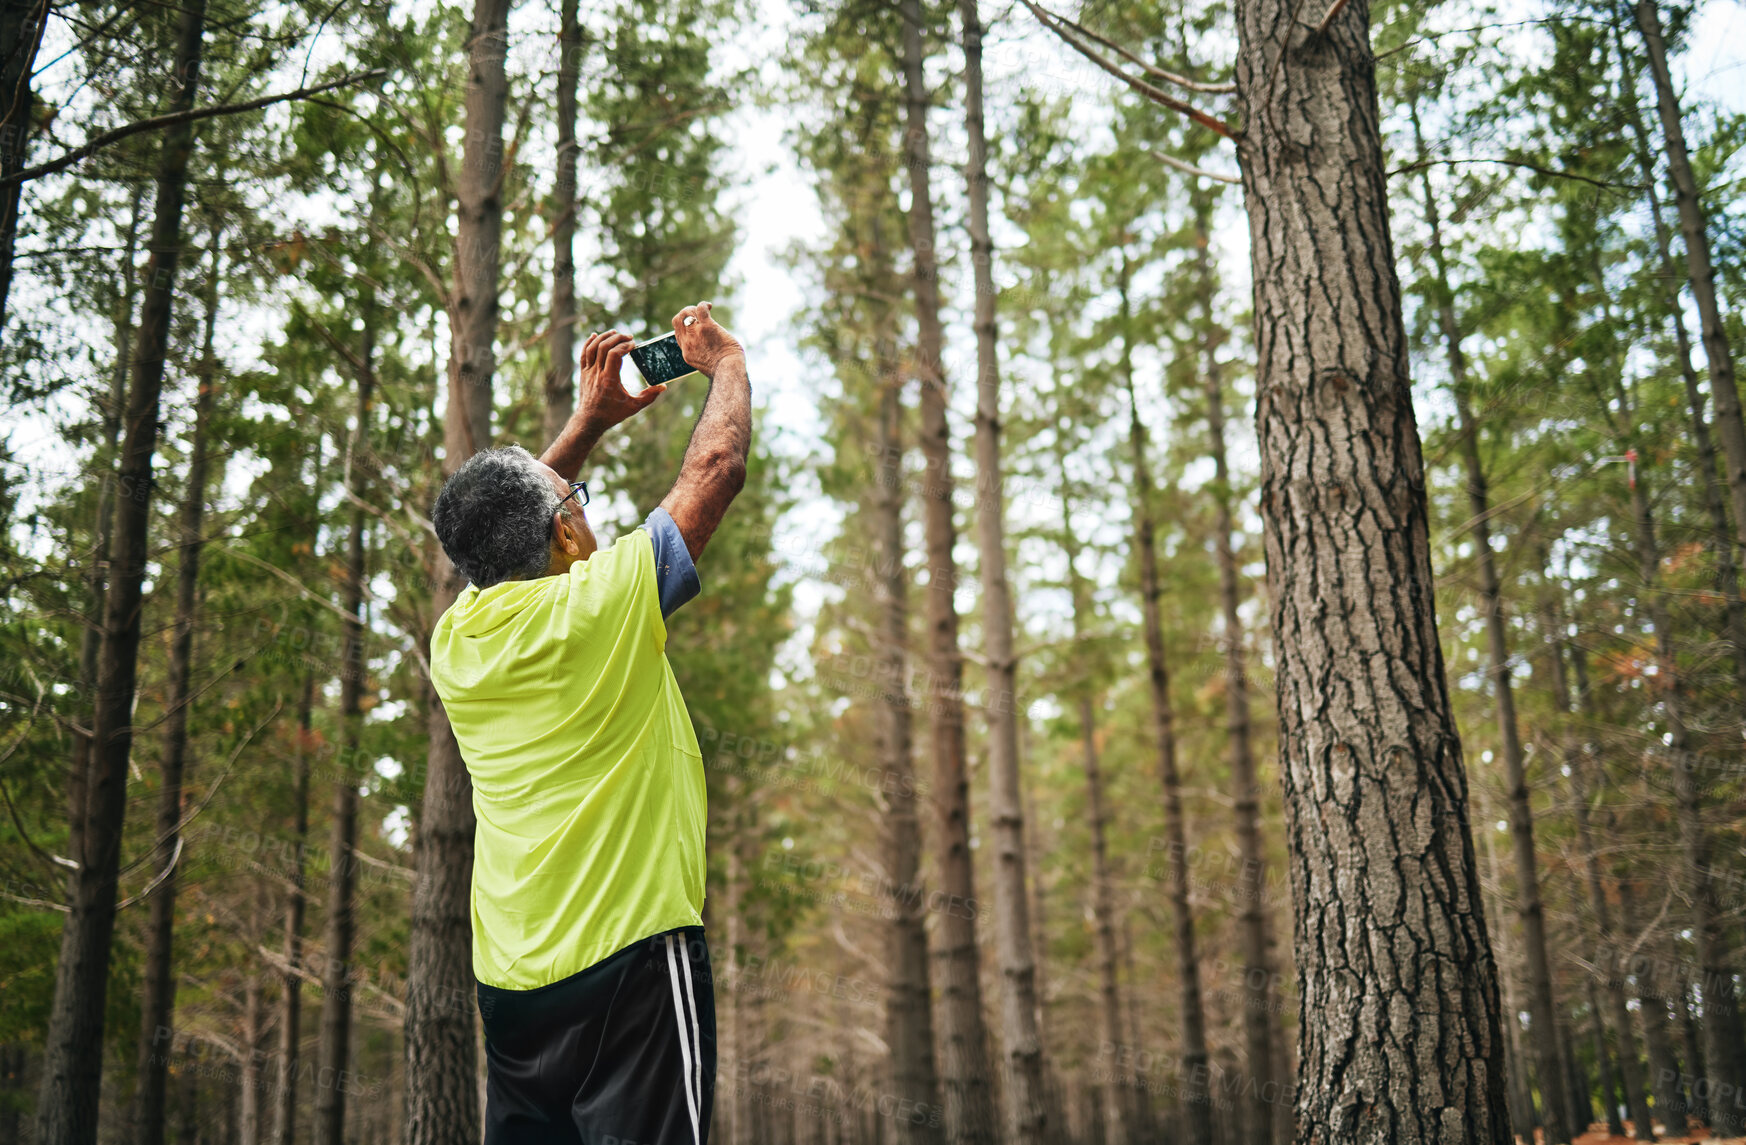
{"x": 1549, "y": 1065}
{"x": 1026, "y": 1115}
{"x": 1722, "y": 1026}
{"x": 91, "y": 638}
{"x": 1578, "y": 761}
{"x": 561, "y": 374}
{"x": 1268, "y": 1118}
{"x": 1715, "y": 499}
{"x": 1195, "y": 1102}
{"x": 964, "y": 1083}
{"x": 73, "y": 1055}
{"x": 1597, "y": 1028}
{"x": 254, "y": 1019}
{"x": 22, "y": 23}
{"x": 1375, "y": 793}
{"x": 1701, "y": 271}
{"x": 1652, "y": 1012}
{"x": 1523, "y": 1113}
{"x": 1116, "y": 1130}
{"x": 1576, "y": 1089}
{"x": 333, "y": 1049}
{"x": 291, "y": 1003}
{"x": 158, "y": 989}
{"x": 1697, "y": 1092}
{"x": 441, "y": 1040}
{"x": 909, "y": 1027}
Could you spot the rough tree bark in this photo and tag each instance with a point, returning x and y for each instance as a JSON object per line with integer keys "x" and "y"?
{"x": 158, "y": 987}
{"x": 1700, "y": 269}
{"x": 1195, "y": 1102}
{"x": 337, "y": 976}
{"x": 561, "y": 374}
{"x": 1114, "y": 1088}
{"x": 1549, "y": 1065}
{"x": 909, "y": 1026}
{"x": 1579, "y": 761}
{"x": 291, "y": 982}
{"x": 965, "y": 1091}
{"x": 1022, "y": 1088}
{"x": 1268, "y": 1117}
{"x": 442, "y": 1105}
{"x": 1390, "y": 935}
{"x": 73, "y": 1054}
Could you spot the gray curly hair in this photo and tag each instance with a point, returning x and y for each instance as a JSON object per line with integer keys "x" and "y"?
{"x": 494, "y": 517}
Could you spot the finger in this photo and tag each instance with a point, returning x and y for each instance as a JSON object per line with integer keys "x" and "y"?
{"x": 587, "y": 358}
{"x": 614, "y": 340}
{"x": 679, "y": 318}
{"x": 650, "y": 394}
{"x": 614, "y": 360}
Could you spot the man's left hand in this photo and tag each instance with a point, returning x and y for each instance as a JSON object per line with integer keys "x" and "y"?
{"x": 601, "y": 399}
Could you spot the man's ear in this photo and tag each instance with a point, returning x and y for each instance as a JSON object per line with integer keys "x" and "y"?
{"x": 566, "y": 536}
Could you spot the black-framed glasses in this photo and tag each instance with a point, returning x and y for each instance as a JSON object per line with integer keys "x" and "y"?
{"x": 575, "y": 488}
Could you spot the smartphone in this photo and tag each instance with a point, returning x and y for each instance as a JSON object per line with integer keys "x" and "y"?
{"x": 659, "y": 359}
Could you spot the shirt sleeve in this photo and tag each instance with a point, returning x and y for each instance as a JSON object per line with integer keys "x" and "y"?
{"x": 675, "y": 576}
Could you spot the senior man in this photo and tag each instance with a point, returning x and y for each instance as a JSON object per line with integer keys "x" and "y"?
{"x": 588, "y": 865}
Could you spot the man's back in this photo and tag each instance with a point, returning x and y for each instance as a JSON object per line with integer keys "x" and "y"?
{"x": 587, "y": 780}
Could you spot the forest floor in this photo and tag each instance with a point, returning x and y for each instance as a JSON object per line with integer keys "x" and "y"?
{"x": 1598, "y": 1135}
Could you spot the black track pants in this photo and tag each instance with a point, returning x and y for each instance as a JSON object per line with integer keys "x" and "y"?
{"x": 622, "y": 1053}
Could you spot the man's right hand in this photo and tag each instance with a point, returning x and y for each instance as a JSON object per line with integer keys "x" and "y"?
{"x": 704, "y": 343}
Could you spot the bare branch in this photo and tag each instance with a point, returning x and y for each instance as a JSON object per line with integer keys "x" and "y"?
{"x": 1534, "y": 167}
{"x": 1150, "y": 69}
{"x": 158, "y": 122}
{"x": 1155, "y": 94}
{"x": 1328, "y": 16}
{"x": 157, "y": 879}
{"x": 1191, "y": 169}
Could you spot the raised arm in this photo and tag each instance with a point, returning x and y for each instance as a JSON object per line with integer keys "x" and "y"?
{"x": 601, "y": 402}
{"x": 714, "y": 469}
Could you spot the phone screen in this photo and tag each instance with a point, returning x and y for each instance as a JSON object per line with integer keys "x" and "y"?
{"x": 660, "y": 361}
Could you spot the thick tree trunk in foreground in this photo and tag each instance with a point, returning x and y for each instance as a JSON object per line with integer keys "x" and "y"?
{"x": 337, "y": 978}
{"x": 964, "y": 1083}
{"x": 1269, "y": 1114}
{"x": 22, "y": 23}
{"x": 1390, "y": 936}
{"x": 561, "y": 374}
{"x": 158, "y": 988}
{"x": 73, "y": 1056}
{"x": 909, "y": 1026}
{"x": 291, "y": 982}
{"x": 1549, "y": 1065}
{"x": 1578, "y": 761}
{"x": 1022, "y": 1086}
{"x": 1701, "y": 270}
{"x": 442, "y": 1106}
{"x": 1193, "y": 1081}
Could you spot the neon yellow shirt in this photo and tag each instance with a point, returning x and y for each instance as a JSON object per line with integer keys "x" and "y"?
{"x": 587, "y": 779}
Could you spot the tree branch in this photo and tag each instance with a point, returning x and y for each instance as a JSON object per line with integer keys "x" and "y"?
{"x": 1536, "y": 168}
{"x": 158, "y": 122}
{"x": 1150, "y": 69}
{"x": 1191, "y": 169}
{"x": 1155, "y": 94}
